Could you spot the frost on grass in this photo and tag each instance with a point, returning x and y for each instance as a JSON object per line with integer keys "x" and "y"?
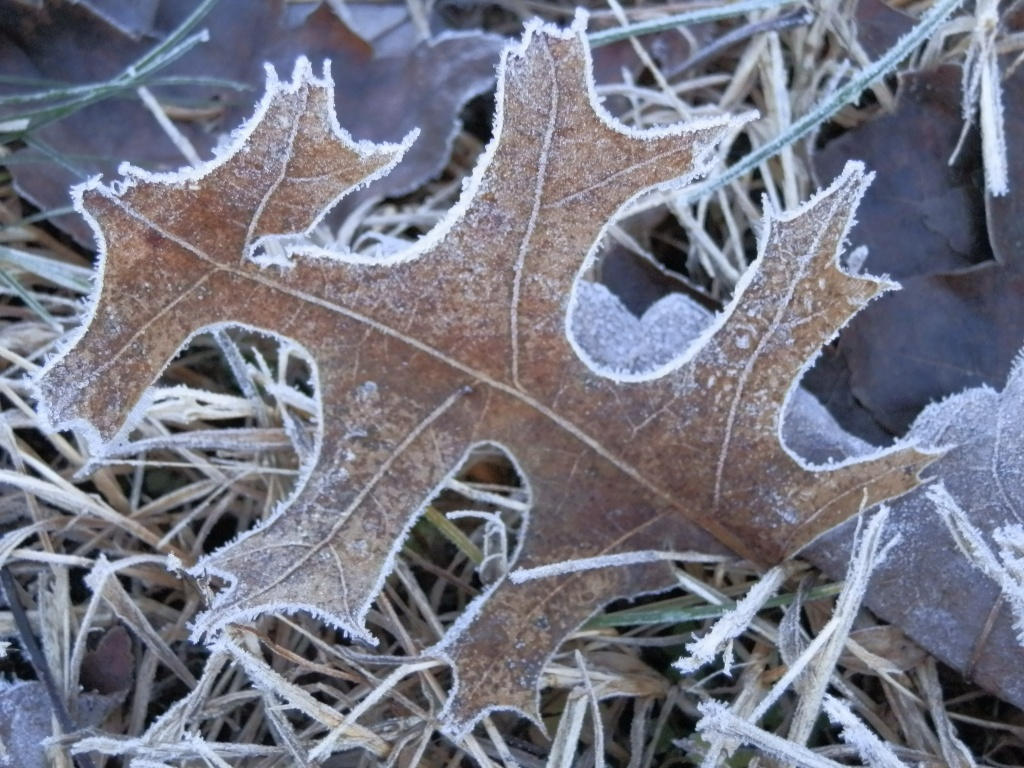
{"x": 734, "y": 623}
{"x": 854, "y": 732}
{"x": 1005, "y": 567}
{"x": 718, "y": 722}
{"x": 983, "y": 92}
{"x": 469, "y": 338}
{"x": 810, "y": 674}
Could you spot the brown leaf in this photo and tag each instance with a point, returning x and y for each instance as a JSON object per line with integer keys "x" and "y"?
{"x": 63, "y": 42}
{"x": 462, "y": 341}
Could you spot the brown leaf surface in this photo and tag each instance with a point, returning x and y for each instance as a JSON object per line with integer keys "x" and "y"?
{"x": 462, "y": 341}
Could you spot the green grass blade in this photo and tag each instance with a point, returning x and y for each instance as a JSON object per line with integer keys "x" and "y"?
{"x": 454, "y": 534}
{"x": 701, "y": 16}
{"x": 30, "y": 301}
{"x": 674, "y": 611}
{"x": 72, "y": 99}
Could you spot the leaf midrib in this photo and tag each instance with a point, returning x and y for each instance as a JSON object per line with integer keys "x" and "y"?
{"x": 387, "y": 330}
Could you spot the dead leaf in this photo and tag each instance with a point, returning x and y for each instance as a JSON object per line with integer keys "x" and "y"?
{"x": 956, "y": 323}
{"x": 879, "y": 26}
{"x": 925, "y": 215}
{"x": 462, "y": 341}
{"x": 134, "y": 18}
{"x": 110, "y": 666}
{"x": 26, "y": 721}
{"x": 65, "y": 43}
{"x": 931, "y": 590}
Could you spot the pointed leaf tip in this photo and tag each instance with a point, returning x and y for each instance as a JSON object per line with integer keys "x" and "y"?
{"x": 176, "y": 244}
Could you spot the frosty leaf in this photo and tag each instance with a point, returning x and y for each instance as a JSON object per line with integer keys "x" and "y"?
{"x": 956, "y": 252}
{"x": 27, "y": 721}
{"x": 183, "y": 247}
{"x": 932, "y": 591}
{"x": 1004, "y": 569}
{"x": 465, "y": 340}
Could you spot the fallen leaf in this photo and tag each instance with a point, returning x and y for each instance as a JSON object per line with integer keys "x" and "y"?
{"x": 132, "y": 17}
{"x": 26, "y": 721}
{"x": 956, "y": 323}
{"x": 462, "y": 341}
{"x": 931, "y": 590}
{"x": 879, "y": 26}
{"x": 926, "y": 215}
{"x": 110, "y": 666}
{"x": 64, "y": 42}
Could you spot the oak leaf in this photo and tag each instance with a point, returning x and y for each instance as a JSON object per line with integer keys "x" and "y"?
{"x": 465, "y": 340}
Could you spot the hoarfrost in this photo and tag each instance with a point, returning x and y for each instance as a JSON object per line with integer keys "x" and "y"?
{"x": 855, "y": 733}
{"x": 731, "y": 625}
{"x": 617, "y": 341}
{"x": 719, "y": 721}
{"x": 1005, "y": 568}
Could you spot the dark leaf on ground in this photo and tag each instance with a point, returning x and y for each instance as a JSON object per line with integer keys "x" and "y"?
{"x": 133, "y": 17}
{"x": 879, "y": 26}
{"x": 927, "y": 587}
{"x": 952, "y": 326}
{"x": 957, "y": 322}
{"x": 109, "y": 668}
{"x": 26, "y": 720}
{"x": 921, "y": 215}
{"x": 68, "y": 44}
